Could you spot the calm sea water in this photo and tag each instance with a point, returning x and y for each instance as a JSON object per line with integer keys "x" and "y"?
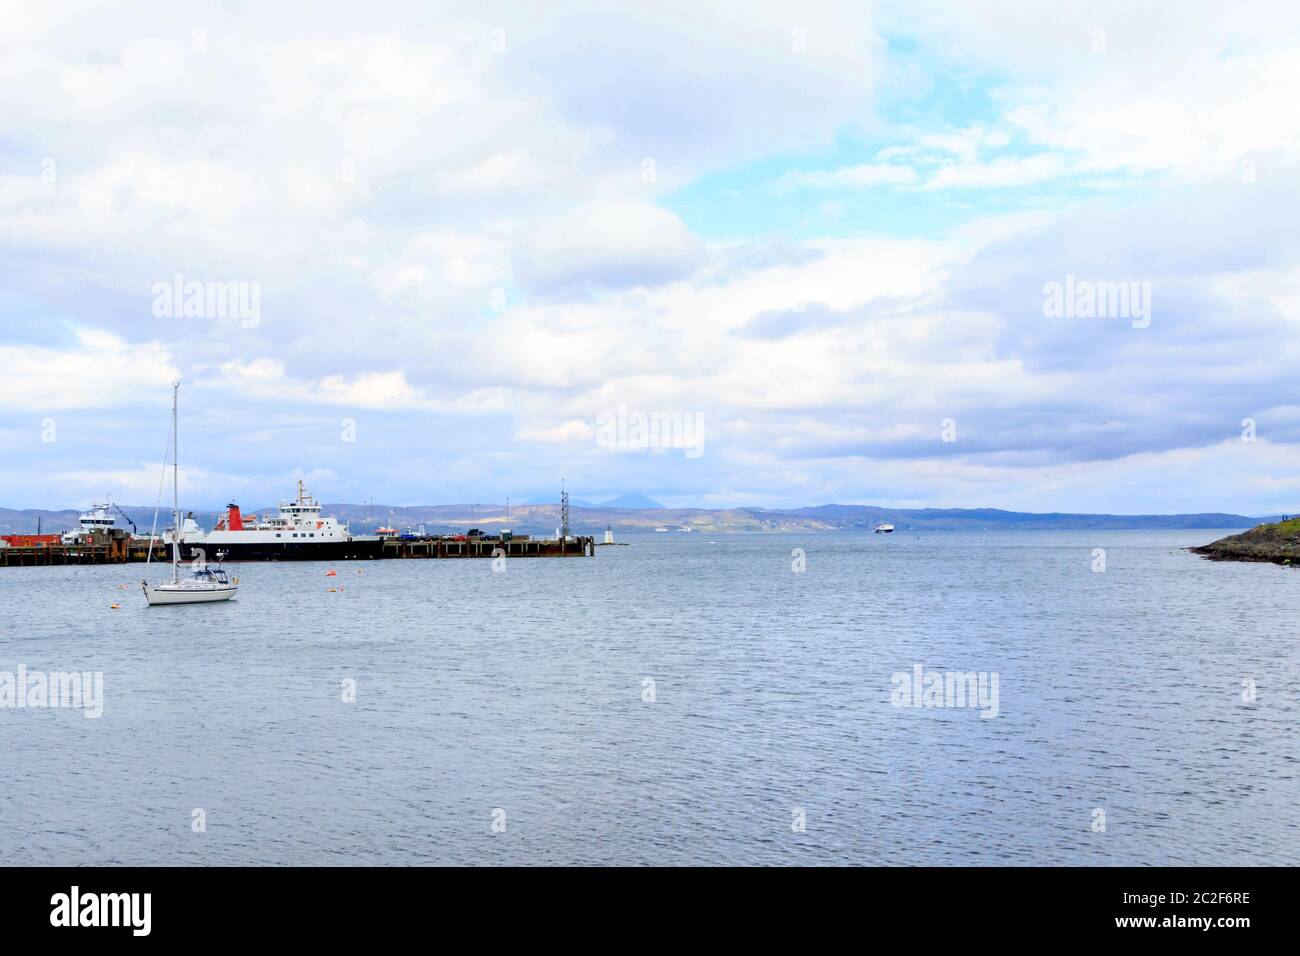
{"x": 520, "y": 698}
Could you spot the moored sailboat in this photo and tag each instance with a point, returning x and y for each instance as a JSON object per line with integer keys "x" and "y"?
{"x": 200, "y": 584}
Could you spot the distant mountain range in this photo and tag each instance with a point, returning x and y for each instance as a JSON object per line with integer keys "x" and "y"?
{"x": 627, "y": 514}
{"x": 630, "y": 501}
{"x": 622, "y": 501}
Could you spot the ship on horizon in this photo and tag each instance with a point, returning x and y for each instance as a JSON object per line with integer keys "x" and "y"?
{"x": 298, "y": 532}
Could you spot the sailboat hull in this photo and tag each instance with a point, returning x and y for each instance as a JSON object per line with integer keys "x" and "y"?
{"x": 168, "y": 594}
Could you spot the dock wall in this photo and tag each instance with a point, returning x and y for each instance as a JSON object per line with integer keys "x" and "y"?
{"x": 120, "y": 548}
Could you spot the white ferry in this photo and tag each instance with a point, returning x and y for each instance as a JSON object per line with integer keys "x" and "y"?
{"x": 297, "y": 533}
{"x": 885, "y": 528}
{"x": 96, "y": 519}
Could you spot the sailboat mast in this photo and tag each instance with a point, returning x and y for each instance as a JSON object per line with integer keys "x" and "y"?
{"x": 176, "y": 507}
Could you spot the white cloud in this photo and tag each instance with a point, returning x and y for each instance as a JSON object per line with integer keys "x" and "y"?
{"x": 385, "y": 179}
{"x": 502, "y": 173}
{"x": 863, "y": 176}
{"x": 964, "y": 144}
{"x": 999, "y": 173}
{"x": 1188, "y": 91}
{"x": 612, "y": 244}
{"x": 573, "y": 430}
{"x": 99, "y": 370}
{"x": 266, "y": 378}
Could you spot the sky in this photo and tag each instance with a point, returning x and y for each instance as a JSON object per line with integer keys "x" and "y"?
{"x": 723, "y": 254}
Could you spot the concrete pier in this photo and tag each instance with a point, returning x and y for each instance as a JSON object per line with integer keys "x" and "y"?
{"x": 121, "y": 548}
{"x": 116, "y": 548}
{"x": 574, "y": 546}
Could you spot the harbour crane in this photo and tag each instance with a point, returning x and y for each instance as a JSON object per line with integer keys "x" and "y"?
{"x": 118, "y": 509}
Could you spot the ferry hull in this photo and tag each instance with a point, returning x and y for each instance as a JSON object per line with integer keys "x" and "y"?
{"x": 284, "y": 551}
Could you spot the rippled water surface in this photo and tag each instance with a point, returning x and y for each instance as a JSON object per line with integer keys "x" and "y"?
{"x": 1118, "y": 691}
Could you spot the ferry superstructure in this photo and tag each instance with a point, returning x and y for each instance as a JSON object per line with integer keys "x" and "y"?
{"x": 298, "y": 532}
{"x": 97, "y": 518}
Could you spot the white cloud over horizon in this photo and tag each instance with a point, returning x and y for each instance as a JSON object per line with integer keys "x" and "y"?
{"x": 470, "y": 241}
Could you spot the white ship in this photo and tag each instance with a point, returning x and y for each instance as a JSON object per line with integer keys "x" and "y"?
{"x": 298, "y": 532}
{"x": 885, "y": 528}
{"x": 96, "y": 519}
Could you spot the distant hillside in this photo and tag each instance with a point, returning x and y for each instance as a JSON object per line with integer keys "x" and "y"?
{"x": 850, "y": 516}
{"x": 622, "y": 501}
{"x": 25, "y": 522}
{"x": 629, "y": 501}
{"x": 544, "y": 518}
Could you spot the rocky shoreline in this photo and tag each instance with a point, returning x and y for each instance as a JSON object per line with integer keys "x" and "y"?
{"x": 1272, "y": 543}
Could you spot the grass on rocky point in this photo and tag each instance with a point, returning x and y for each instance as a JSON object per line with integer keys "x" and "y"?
{"x": 1288, "y": 527}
